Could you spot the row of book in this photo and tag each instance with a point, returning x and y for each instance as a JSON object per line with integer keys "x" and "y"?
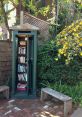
{"x": 22, "y": 50}
{"x": 22, "y": 68}
{"x": 22, "y": 43}
{"x": 22, "y": 77}
{"x": 21, "y": 87}
{"x": 21, "y": 59}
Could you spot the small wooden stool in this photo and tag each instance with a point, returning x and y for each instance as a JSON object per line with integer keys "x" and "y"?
{"x": 5, "y": 90}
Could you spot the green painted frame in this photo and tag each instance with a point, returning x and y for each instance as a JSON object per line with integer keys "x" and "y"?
{"x": 14, "y": 56}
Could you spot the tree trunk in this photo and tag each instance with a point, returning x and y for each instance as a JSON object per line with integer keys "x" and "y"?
{"x": 56, "y": 9}
{"x": 56, "y": 13}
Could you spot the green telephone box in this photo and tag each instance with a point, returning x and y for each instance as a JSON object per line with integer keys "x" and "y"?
{"x": 24, "y": 57}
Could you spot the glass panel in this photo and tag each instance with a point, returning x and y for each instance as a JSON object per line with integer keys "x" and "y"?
{"x": 30, "y": 62}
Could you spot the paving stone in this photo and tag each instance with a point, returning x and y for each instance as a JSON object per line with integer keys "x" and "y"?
{"x": 48, "y": 103}
{"x": 30, "y": 108}
{"x": 60, "y": 113}
{"x": 7, "y": 112}
{"x": 55, "y": 107}
{"x": 46, "y": 106}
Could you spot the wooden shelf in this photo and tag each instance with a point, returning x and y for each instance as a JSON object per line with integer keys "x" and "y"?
{"x": 21, "y": 72}
{"x": 22, "y": 63}
{"x": 22, "y": 45}
{"x": 22, "y": 82}
{"x": 21, "y": 54}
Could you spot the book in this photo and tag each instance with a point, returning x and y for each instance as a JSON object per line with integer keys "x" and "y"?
{"x": 21, "y": 68}
{"x": 22, "y": 77}
{"x": 21, "y": 87}
{"x": 22, "y": 43}
{"x": 21, "y": 59}
{"x": 22, "y": 50}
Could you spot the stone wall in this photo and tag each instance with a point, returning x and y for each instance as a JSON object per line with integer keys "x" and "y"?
{"x": 5, "y": 62}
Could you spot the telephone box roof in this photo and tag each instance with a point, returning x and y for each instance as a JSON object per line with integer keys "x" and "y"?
{"x": 25, "y": 27}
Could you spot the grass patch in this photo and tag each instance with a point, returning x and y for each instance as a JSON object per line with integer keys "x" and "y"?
{"x": 73, "y": 91}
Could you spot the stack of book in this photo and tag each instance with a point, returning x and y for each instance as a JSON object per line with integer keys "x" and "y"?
{"x": 21, "y": 68}
{"x": 21, "y": 87}
{"x": 21, "y": 59}
{"x": 22, "y": 50}
{"x": 22, "y": 77}
{"x": 22, "y": 43}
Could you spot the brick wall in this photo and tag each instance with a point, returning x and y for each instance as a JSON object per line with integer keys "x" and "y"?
{"x": 5, "y": 62}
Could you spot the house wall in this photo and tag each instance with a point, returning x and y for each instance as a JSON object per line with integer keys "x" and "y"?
{"x": 5, "y": 62}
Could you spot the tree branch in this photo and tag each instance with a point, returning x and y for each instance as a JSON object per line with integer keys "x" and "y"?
{"x": 9, "y": 11}
{"x": 5, "y": 18}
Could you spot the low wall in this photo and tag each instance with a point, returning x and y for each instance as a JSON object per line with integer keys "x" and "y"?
{"x": 5, "y": 61}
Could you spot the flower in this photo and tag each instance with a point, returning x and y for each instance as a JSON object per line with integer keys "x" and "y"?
{"x": 56, "y": 59}
{"x": 80, "y": 44}
{"x": 69, "y": 41}
{"x": 60, "y": 51}
{"x": 80, "y": 53}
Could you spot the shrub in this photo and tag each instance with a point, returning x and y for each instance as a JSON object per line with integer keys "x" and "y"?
{"x": 56, "y": 71}
{"x": 69, "y": 42}
{"x": 52, "y": 56}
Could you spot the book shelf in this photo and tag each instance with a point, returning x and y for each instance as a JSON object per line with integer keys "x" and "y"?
{"x": 22, "y": 66}
{"x": 24, "y": 59}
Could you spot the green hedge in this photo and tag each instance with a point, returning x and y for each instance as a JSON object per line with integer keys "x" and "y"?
{"x": 53, "y": 71}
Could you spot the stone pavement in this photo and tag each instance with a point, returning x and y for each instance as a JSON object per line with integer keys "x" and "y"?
{"x": 30, "y": 108}
{"x": 77, "y": 113}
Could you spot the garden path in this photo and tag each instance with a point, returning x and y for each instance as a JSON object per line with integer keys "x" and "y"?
{"x": 30, "y": 108}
